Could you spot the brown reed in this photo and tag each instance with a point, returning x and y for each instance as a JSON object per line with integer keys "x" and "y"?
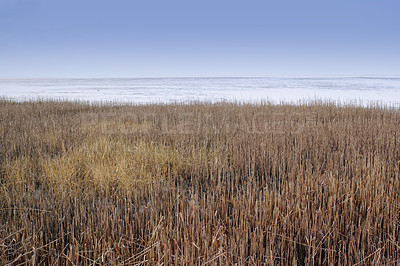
{"x": 198, "y": 184}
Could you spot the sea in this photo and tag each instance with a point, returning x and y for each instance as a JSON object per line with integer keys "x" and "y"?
{"x": 293, "y": 90}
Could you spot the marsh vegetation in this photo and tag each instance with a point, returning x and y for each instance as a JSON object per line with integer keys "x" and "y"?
{"x": 198, "y": 184}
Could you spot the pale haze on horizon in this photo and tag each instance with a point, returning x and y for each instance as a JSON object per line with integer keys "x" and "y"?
{"x": 43, "y": 38}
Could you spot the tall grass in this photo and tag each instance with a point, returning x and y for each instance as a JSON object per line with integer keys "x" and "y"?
{"x": 198, "y": 184}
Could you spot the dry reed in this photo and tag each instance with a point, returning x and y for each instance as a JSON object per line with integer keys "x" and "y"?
{"x": 198, "y": 184}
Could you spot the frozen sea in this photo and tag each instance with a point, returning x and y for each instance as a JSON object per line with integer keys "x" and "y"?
{"x": 353, "y": 90}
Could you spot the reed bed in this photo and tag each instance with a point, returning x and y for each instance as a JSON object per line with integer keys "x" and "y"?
{"x": 198, "y": 184}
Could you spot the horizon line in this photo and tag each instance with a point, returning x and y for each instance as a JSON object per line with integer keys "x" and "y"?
{"x": 205, "y": 77}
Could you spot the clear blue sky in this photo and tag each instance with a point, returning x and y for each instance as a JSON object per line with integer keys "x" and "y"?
{"x": 163, "y": 38}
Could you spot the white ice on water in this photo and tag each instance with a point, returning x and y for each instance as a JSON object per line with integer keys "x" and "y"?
{"x": 356, "y": 90}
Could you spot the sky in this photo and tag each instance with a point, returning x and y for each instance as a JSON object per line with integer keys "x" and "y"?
{"x": 203, "y": 38}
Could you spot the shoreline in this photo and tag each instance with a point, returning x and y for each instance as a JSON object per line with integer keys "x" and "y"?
{"x": 188, "y": 102}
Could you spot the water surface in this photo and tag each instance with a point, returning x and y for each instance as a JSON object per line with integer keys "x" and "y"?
{"x": 358, "y": 90}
